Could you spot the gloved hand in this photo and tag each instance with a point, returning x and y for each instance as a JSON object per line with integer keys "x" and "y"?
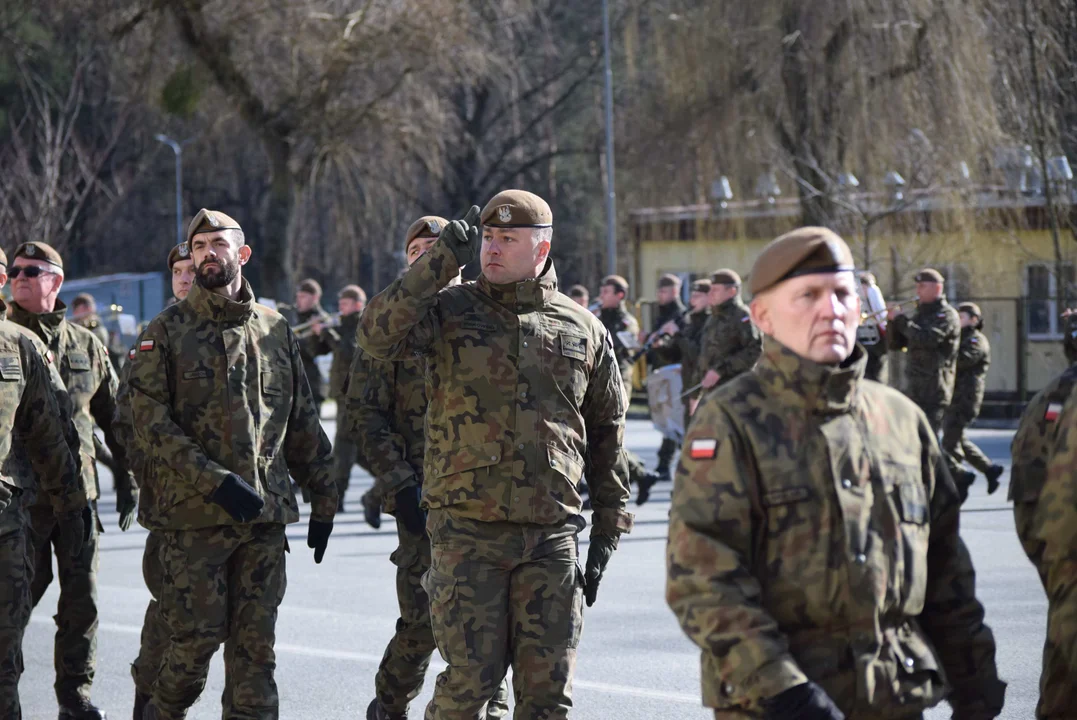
{"x": 126, "y": 504}
{"x": 76, "y": 528}
{"x": 238, "y": 499}
{"x": 408, "y": 510}
{"x": 598, "y": 555}
{"x": 5, "y": 496}
{"x": 462, "y": 237}
{"x": 318, "y": 537}
{"x": 802, "y": 702}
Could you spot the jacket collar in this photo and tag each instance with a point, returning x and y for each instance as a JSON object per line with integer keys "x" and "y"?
{"x": 525, "y": 296}
{"x": 797, "y": 381}
{"x": 45, "y": 325}
{"x": 220, "y": 309}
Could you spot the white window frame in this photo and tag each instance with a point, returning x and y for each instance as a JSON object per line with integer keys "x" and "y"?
{"x": 1053, "y": 312}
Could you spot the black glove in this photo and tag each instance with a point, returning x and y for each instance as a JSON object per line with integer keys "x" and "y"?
{"x": 5, "y": 497}
{"x": 802, "y": 702}
{"x": 598, "y": 556}
{"x": 76, "y": 528}
{"x": 408, "y": 510}
{"x": 462, "y": 237}
{"x": 318, "y": 533}
{"x": 126, "y": 503}
{"x": 238, "y": 499}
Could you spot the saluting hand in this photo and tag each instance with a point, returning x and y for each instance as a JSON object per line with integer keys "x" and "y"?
{"x": 462, "y": 236}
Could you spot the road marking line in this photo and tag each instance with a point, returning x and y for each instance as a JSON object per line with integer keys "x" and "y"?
{"x": 436, "y": 664}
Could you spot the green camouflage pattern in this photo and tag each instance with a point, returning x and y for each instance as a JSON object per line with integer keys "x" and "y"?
{"x": 973, "y": 359}
{"x": 731, "y": 343}
{"x": 92, "y": 322}
{"x": 220, "y": 585}
{"x": 689, "y": 342}
{"x": 523, "y": 391}
{"x": 91, "y": 384}
{"x": 15, "y": 608}
{"x": 217, "y": 387}
{"x": 931, "y": 337}
{"x": 504, "y": 594}
{"x": 814, "y": 535}
{"x": 153, "y": 640}
{"x": 617, "y": 320}
{"x": 312, "y": 346}
{"x": 341, "y": 340}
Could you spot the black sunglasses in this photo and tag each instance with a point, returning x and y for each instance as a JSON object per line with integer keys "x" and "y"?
{"x": 30, "y": 271}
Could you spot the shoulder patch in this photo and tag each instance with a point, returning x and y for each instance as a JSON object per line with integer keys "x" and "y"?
{"x": 10, "y": 368}
{"x": 746, "y": 318}
{"x": 574, "y": 346}
{"x": 1052, "y": 412}
{"x": 146, "y": 345}
{"x": 703, "y": 449}
{"x": 131, "y": 353}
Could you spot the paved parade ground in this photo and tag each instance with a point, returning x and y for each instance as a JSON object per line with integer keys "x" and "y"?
{"x": 634, "y": 662}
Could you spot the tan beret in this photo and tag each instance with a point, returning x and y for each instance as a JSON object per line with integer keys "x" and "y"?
{"x": 426, "y": 226}
{"x": 929, "y": 275}
{"x": 703, "y": 286}
{"x": 207, "y": 221}
{"x": 616, "y": 282}
{"x": 354, "y": 292}
{"x": 669, "y": 280}
{"x": 177, "y": 253}
{"x": 725, "y": 276}
{"x": 310, "y": 285}
{"x": 578, "y": 291}
{"x": 3, "y": 258}
{"x": 804, "y": 251}
{"x": 517, "y": 209}
{"x": 39, "y": 251}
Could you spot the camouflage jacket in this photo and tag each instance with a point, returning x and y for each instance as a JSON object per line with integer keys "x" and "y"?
{"x": 931, "y": 337}
{"x": 731, "y": 342}
{"x": 664, "y": 352}
{"x": 342, "y": 341}
{"x": 387, "y": 411}
{"x": 524, "y": 392}
{"x": 617, "y": 320}
{"x": 973, "y": 359}
{"x": 1036, "y": 435}
{"x": 217, "y": 388}
{"x": 814, "y": 534}
{"x": 313, "y": 345}
{"x": 31, "y": 420}
{"x": 92, "y": 322}
{"x": 90, "y": 381}
{"x": 689, "y": 342}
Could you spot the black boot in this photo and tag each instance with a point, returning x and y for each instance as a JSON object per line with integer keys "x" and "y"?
{"x": 665, "y": 459}
{"x": 993, "y": 474}
{"x": 371, "y": 510}
{"x": 81, "y": 710}
{"x": 375, "y": 711}
{"x": 141, "y": 701}
{"x": 645, "y": 483}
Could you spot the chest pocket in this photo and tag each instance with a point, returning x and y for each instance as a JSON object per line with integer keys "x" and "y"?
{"x": 78, "y": 379}
{"x": 570, "y": 364}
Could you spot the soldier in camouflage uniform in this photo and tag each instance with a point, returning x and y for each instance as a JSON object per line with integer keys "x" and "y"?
{"x": 689, "y": 340}
{"x": 524, "y": 392}
{"x": 624, "y": 332}
{"x": 814, "y": 553}
{"x": 39, "y": 449}
{"x": 387, "y": 408}
{"x": 731, "y": 343}
{"x": 973, "y": 359}
{"x": 222, "y": 414}
{"x": 662, "y": 353}
{"x": 84, "y": 366}
{"x": 1036, "y": 436}
{"x": 84, "y": 314}
{"x": 154, "y": 638}
{"x": 308, "y": 298}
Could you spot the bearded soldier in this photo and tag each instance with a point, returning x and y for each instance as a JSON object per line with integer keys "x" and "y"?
{"x": 223, "y": 415}
{"x": 814, "y": 553}
{"x": 524, "y": 393}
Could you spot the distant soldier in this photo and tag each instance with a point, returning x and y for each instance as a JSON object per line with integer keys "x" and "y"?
{"x": 690, "y": 340}
{"x": 387, "y": 405}
{"x": 39, "y": 450}
{"x": 580, "y": 295}
{"x": 624, "y": 332}
{"x": 731, "y": 343}
{"x": 1037, "y": 434}
{"x": 37, "y": 273}
{"x": 524, "y": 394}
{"x": 872, "y": 331}
{"x": 222, "y": 414}
{"x": 181, "y": 268}
{"x": 663, "y": 352}
{"x": 308, "y": 309}
{"x": 973, "y": 359}
{"x": 84, "y": 314}
{"x": 341, "y": 340}
{"x": 814, "y": 553}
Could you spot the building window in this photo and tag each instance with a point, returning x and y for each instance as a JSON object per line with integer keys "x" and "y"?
{"x": 1043, "y": 304}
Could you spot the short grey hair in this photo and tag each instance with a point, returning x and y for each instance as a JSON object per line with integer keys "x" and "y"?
{"x": 543, "y": 234}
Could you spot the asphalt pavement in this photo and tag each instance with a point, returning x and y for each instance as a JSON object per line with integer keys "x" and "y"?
{"x": 634, "y": 661}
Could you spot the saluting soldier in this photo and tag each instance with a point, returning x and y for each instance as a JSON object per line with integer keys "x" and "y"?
{"x": 662, "y": 353}
{"x": 387, "y": 406}
{"x": 731, "y": 343}
{"x": 39, "y": 450}
{"x": 37, "y": 274}
{"x": 814, "y": 553}
{"x": 222, "y": 414}
{"x": 524, "y": 393}
{"x": 690, "y": 340}
{"x": 308, "y": 308}
{"x": 973, "y": 359}
{"x": 1036, "y": 436}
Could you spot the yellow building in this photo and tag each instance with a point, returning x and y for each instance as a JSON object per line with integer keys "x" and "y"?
{"x": 993, "y": 246}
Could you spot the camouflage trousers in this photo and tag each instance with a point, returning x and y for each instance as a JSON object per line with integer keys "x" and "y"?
{"x": 154, "y": 640}
{"x": 15, "y": 604}
{"x": 345, "y": 453}
{"x": 403, "y": 667}
{"x": 75, "y": 649}
{"x": 220, "y": 585}
{"x": 957, "y": 445}
{"x": 504, "y": 595}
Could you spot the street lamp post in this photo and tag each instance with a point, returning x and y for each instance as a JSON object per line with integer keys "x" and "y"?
{"x": 177, "y": 148}
{"x": 611, "y": 195}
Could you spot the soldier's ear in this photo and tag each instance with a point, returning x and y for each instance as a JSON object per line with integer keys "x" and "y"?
{"x": 244, "y": 254}
{"x": 760, "y": 314}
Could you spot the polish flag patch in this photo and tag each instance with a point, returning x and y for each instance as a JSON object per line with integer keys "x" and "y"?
{"x": 146, "y": 346}
{"x": 1053, "y": 411}
{"x": 703, "y": 449}
{"x": 131, "y": 354}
